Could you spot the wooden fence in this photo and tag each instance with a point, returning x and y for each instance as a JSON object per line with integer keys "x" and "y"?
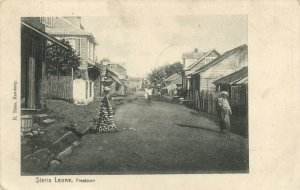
{"x": 205, "y": 101}
{"x": 59, "y": 87}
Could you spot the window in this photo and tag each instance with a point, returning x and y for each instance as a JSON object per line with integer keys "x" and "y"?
{"x": 91, "y": 50}
{"x": 75, "y": 44}
{"x": 209, "y": 59}
{"x": 47, "y": 21}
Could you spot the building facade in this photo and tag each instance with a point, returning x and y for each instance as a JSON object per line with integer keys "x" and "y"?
{"x": 202, "y": 59}
{"x": 83, "y": 42}
{"x": 229, "y": 62}
{"x": 33, "y": 65}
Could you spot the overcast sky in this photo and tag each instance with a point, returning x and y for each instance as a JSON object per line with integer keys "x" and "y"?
{"x": 144, "y": 43}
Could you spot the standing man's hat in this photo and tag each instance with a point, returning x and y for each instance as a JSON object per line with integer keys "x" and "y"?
{"x": 224, "y": 93}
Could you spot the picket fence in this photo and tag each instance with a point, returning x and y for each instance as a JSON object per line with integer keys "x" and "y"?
{"x": 59, "y": 87}
{"x": 205, "y": 101}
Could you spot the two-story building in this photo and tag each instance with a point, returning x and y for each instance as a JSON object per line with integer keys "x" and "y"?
{"x": 202, "y": 80}
{"x": 33, "y": 65}
{"x": 229, "y": 62}
{"x": 84, "y": 43}
{"x": 192, "y": 62}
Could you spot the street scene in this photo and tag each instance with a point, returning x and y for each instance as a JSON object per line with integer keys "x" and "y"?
{"x": 140, "y": 96}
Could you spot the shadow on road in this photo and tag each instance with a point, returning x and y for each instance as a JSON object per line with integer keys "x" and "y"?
{"x": 197, "y": 127}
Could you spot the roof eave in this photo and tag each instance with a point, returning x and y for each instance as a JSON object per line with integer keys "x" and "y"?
{"x": 45, "y": 35}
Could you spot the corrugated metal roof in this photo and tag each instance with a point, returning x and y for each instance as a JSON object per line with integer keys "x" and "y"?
{"x": 73, "y": 30}
{"x": 220, "y": 58}
{"x": 117, "y": 80}
{"x": 242, "y": 81}
{"x": 233, "y": 77}
{"x": 112, "y": 71}
{"x": 200, "y": 59}
{"x": 45, "y": 35}
{"x": 177, "y": 81}
{"x": 172, "y": 77}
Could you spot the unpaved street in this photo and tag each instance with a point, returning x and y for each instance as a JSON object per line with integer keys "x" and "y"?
{"x": 162, "y": 138}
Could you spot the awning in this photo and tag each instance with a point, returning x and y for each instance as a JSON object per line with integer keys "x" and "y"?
{"x": 242, "y": 81}
{"x": 233, "y": 77}
{"x": 117, "y": 80}
{"x": 45, "y": 35}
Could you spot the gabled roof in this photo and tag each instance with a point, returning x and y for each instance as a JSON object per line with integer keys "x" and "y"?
{"x": 60, "y": 28}
{"x": 233, "y": 77}
{"x": 199, "y": 60}
{"x": 119, "y": 65}
{"x": 220, "y": 58}
{"x": 172, "y": 77}
{"x": 193, "y": 55}
{"x": 177, "y": 81}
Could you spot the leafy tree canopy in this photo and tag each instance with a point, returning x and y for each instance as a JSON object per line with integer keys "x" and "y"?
{"x": 158, "y": 74}
{"x": 173, "y": 68}
{"x": 60, "y": 61}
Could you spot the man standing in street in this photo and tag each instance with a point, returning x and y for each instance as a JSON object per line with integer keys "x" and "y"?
{"x": 224, "y": 111}
{"x": 149, "y": 92}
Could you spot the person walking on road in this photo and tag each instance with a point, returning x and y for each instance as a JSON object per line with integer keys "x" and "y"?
{"x": 106, "y": 122}
{"x": 146, "y": 93}
{"x": 224, "y": 111}
{"x": 149, "y": 92}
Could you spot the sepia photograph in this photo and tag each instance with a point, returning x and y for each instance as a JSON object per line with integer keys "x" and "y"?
{"x": 154, "y": 96}
{"x": 149, "y": 94}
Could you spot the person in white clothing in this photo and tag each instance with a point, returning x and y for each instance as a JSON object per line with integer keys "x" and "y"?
{"x": 148, "y": 95}
{"x": 224, "y": 111}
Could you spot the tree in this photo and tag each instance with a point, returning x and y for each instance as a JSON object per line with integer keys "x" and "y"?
{"x": 60, "y": 61}
{"x": 174, "y": 68}
{"x": 157, "y": 75}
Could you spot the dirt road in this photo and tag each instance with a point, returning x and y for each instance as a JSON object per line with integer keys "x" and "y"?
{"x": 161, "y": 138}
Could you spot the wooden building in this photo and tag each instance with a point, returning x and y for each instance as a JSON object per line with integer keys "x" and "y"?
{"x": 202, "y": 90}
{"x": 173, "y": 84}
{"x": 33, "y": 66}
{"x": 236, "y": 84}
{"x": 83, "y": 42}
{"x": 117, "y": 87}
{"x": 193, "y": 62}
{"x": 118, "y": 73}
{"x": 229, "y": 62}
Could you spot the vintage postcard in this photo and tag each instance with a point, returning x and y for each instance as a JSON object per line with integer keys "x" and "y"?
{"x": 119, "y": 95}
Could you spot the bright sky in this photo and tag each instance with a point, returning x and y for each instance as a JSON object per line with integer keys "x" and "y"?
{"x": 144, "y": 43}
